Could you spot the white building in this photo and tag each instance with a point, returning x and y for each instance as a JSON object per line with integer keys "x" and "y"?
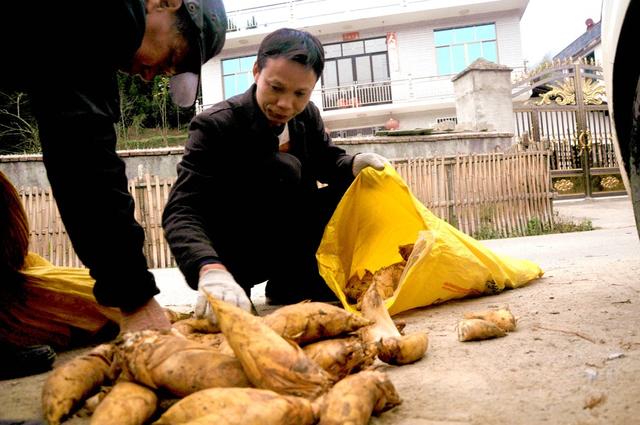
{"x": 384, "y": 58}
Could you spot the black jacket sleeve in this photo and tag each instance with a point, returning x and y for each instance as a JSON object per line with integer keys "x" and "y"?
{"x": 76, "y": 107}
{"x": 185, "y": 217}
{"x": 225, "y": 173}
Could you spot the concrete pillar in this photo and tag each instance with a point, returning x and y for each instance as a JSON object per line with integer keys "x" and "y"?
{"x": 483, "y": 97}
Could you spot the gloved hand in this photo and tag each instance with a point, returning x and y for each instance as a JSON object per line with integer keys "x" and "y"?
{"x": 221, "y": 285}
{"x": 368, "y": 159}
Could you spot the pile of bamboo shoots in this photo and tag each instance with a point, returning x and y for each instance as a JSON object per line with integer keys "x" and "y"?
{"x": 305, "y": 363}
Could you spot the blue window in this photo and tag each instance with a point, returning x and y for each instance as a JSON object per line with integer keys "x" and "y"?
{"x": 456, "y": 48}
{"x": 237, "y": 75}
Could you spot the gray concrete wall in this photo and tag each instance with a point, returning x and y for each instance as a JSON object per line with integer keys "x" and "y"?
{"x": 483, "y": 97}
{"x": 399, "y": 147}
{"x": 24, "y": 170}
{"x": 28, "y": 170}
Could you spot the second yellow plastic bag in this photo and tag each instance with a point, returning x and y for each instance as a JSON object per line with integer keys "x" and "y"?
{"x": 56, "y": 307}
{"x": 377, "y": 214}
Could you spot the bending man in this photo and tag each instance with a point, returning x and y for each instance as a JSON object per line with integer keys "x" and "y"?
{"x": 70, "y": 75}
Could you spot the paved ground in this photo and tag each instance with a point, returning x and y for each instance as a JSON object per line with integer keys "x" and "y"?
{"x": 604, "y": 213}
{"x": 574, "y": 359}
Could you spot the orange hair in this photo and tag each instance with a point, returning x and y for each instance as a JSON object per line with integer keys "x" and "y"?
{"x": 14, "y": 231}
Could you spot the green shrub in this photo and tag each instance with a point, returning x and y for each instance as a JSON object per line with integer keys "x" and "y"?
{"x": 536, "y": 227}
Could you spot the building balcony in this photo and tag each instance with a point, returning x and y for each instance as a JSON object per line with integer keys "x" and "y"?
{"x": 306, "y": 12}
{"x": 382, "y": 97}
{"x": 247, "y": 26}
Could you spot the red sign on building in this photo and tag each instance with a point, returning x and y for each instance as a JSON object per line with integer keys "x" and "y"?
{"x": 392, "y": 40}
{"x": 348, "y": 36}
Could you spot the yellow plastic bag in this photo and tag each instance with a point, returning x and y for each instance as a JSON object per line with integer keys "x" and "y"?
{"x": 56, "y": 307}
{"x": 377, "y": 214}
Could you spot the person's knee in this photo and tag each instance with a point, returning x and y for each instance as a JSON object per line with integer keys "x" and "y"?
{"x": 288, "y": 169}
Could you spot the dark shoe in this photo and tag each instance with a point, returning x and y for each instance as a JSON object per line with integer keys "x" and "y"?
{"x": 282, "y": 297}
{"x": 20, "y": 362}
{"x": 281, "y": 292}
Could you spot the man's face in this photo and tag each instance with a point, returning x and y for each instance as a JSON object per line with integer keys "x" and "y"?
{"x": 162, "y": 48}
{"x": 283, "y": 88}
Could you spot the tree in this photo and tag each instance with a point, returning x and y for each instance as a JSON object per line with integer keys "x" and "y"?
{"x": 18, "y": 128}
{"x": 142, "y": 105}
{"x": 160, "y": 97}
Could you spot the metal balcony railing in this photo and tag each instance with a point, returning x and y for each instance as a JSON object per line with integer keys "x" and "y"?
{"x": 356, "y": 95}
{"x": 430, "y": 89}
{"x": 395, "y": 91}
{"x": 303, "y": 12}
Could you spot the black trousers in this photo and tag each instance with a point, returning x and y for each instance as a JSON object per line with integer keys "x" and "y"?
{"x": 279, "y": 242}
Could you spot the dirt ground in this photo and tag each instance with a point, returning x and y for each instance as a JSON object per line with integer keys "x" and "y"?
{"x": 574, "y": 358}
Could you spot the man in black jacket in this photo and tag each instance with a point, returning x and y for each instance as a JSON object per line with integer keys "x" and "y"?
{"x": 247, "y": 207}
{"x": 68, "y": 65}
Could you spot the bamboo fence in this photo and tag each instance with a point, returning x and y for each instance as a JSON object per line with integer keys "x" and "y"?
{"x": 496, "y": 194}
{"x": 151, "y": 195}
{"x": 490, "y": 194}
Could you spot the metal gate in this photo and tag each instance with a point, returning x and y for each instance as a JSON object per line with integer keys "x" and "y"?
{"x": 567, "y": 114}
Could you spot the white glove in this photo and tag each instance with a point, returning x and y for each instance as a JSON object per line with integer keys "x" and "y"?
{"x": 221, "y": 285}
{"x": 368, "y": 159}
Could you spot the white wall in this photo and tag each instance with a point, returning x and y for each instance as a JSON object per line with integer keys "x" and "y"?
{"x": 597, "y": 53}
{"x": 423, "y": 119}
{"x": 211, "y": 81}
{"x": 408, "y": 120}
{"x": 416, "y": 58}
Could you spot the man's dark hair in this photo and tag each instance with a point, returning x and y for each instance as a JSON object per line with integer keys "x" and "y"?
{"x": 295, "y": 45}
